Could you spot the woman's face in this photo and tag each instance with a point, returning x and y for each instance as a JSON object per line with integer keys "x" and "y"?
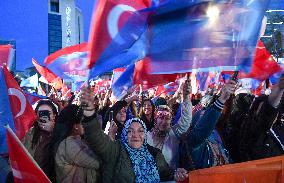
{"x": 163, "y": 120}
{"x": 121, "y": 115}
{"x": 147, "y": 108}
{"x": 45, "y": 107}
{"x": 135, "y": 135}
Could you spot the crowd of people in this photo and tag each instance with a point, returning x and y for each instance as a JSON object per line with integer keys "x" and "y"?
{"x": 146, "y": 138}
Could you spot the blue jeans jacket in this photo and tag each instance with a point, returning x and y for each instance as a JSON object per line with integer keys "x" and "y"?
{"x": 203, "y": 125}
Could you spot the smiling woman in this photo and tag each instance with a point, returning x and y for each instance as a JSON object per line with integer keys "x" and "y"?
{"x": 129, "y": 159}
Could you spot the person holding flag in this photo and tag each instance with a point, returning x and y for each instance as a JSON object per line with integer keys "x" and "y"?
{"x": 130, "y": 159}
{"x": 200, "y": 149}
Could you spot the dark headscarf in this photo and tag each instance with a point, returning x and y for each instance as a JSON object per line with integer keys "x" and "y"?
{"x": 116, "y": 108}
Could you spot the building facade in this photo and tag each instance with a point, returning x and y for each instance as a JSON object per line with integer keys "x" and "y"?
{"x": 65, "y": 24}
{"x": 39, "y": 28}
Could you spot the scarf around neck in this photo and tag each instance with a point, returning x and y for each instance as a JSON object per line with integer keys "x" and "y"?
{"x": 143, "y": 163}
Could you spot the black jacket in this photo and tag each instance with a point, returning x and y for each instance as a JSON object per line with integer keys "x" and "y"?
{"x": 257, "y": 139}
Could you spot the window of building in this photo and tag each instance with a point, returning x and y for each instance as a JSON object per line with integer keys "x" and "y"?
{"x": 54, "y": 6}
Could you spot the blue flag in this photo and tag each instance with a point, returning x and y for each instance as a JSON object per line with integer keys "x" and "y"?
{"x": 6, "y": 116}
{"x": 179, "y": 36}
{"x": 123, "y": 83}
{"x": 206, "y": 36}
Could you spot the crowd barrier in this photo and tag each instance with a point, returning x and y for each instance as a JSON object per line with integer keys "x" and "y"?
{"x": 270, "y": 170}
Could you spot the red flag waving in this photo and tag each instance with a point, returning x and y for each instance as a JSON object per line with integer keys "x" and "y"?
{"x": 108, "y": 17}
{"x": 23, "y": 112}
{"x": 263, "y": 65}
{"x": 143, "y": 76}
{"x": 50, "y": 77}
{"x": 24, "y": 168}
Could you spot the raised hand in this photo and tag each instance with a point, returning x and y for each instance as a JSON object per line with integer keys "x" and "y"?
{"x": 86, "y": 100}
{"x": 228, "y": 89}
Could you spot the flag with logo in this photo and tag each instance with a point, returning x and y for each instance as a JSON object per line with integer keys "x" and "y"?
{"x": 69, "y": 62}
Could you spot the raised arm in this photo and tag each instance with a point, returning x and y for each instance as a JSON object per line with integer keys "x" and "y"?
{"x": 186, "y": 111}
{"x": 207, "y": 123}
{"x": 99, "y": 142}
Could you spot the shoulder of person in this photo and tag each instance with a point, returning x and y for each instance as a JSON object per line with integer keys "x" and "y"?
{"x": 153, "y": 151}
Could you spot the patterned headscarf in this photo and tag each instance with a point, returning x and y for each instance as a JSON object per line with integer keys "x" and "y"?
{"x": 143, "y": 162}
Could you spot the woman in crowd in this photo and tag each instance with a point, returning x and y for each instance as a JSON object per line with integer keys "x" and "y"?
{"x": 146, "y": 113}
{"x": 130, "y": 159}
{"x": 117, "y": 113}
{"x": 166, "y": 137}
{"x": 75, "y": 162}
{"x": 37, "y": 140}
{"x": 203, "y": 147}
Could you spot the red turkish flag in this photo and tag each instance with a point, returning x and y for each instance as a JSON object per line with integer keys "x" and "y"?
{"x": 108, "y": 17}
{"x": 23, "y": 113}
{"x": 24, "y": 168}
{"x": 142, "y": 75}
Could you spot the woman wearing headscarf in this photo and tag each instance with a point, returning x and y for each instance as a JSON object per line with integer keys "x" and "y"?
{"x": 166, "y": 137}
{"x": 38, "y": 139}
{"x": 74, "y": 160}
{"x": 118, "y": 111}
{"x": 129, "y": 159}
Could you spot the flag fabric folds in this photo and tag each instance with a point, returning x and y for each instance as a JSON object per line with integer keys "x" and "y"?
{"x": 108, "y": 17}
{"x": 123, "y": 83}
{"x": 263, "y": 65}
{"x": 24, "y": 168}
{"x": 138, "y": 74}
{"x": 205, "y": 36}
{"x": 48, "y": 75}
{"x": 15, "y": 110}
{"x": 142, "y": 75}
{"x": 69, "y": 62}
{"x": 6, "y": 116}
{"x": 201, "y": 35}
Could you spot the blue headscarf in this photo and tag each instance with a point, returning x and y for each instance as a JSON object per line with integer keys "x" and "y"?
{"x": 143, "y": 162}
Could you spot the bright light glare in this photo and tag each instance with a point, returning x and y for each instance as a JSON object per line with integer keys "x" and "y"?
{"x": 213, "y": 12}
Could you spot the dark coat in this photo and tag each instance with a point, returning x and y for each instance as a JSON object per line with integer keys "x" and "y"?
{"x": 116, "y": 162}
{"x": 257, "y": 139}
